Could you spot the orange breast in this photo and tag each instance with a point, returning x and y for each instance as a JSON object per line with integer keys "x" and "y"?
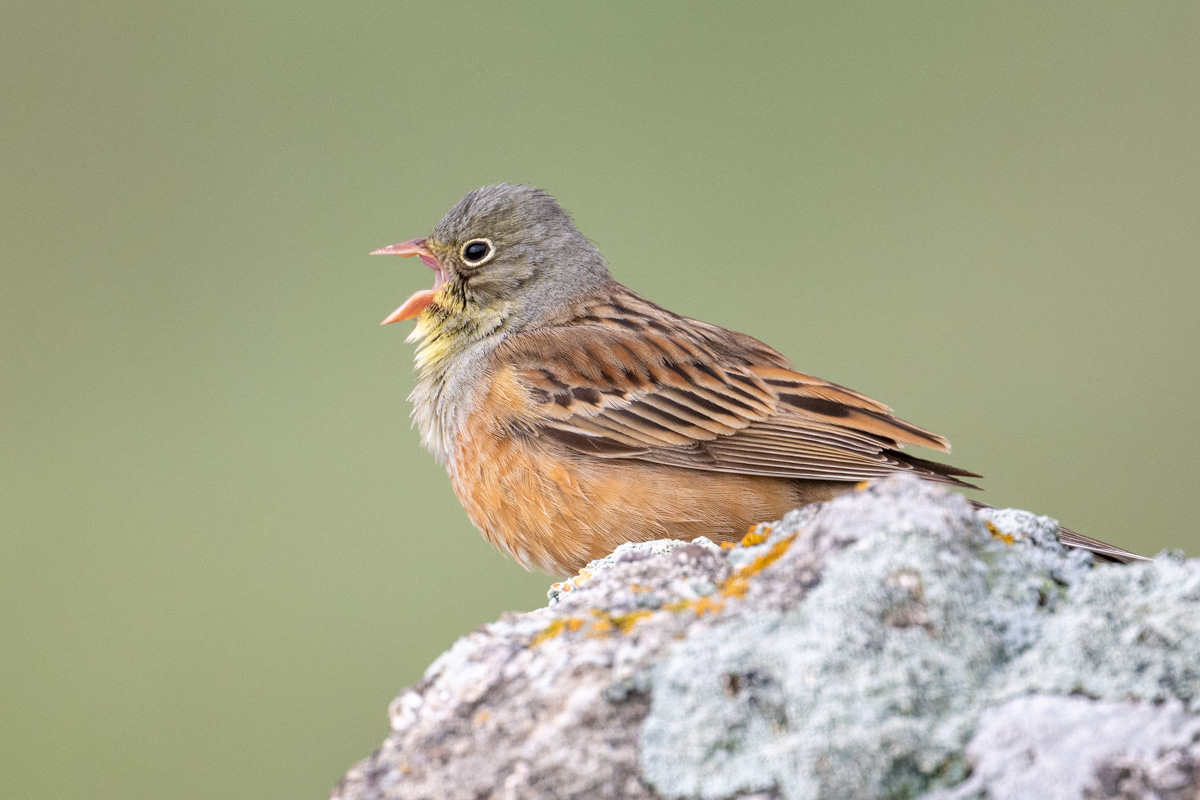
{"x": 558, "y": 510}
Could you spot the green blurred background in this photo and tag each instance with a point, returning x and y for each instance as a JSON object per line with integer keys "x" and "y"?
{"x": 223, "y": 549}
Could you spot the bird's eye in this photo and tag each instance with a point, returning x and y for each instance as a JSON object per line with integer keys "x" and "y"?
{"x": 477, "y": 252}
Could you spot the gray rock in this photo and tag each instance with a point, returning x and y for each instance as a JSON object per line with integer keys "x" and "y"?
{"x": 892, "y": 643}
{"x": 1063, "y": 748}
{"x": 1172, "y": 774}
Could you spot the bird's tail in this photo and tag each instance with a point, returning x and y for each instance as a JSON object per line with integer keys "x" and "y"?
{"x": 1102, "y": 550}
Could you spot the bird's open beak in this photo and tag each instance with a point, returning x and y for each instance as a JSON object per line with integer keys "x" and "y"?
{"x": 421, "y": 300}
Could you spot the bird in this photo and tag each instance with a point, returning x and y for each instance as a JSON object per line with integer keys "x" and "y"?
{"x": 573, "y": 415}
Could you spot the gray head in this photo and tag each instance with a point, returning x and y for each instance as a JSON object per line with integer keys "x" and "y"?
{"x": 507, "y": 254}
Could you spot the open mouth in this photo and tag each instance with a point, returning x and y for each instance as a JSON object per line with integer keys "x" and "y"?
{"x": 421, "y": 300}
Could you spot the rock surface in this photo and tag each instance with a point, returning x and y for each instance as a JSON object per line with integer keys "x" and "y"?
{"x": 893, "y": 643}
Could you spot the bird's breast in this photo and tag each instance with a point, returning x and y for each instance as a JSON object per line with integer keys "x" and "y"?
{"x": 448, "y": 388}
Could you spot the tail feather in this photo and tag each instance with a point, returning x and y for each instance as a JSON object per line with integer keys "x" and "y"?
{"x": 1102, "y": 550}
{"x": 944, "y": 472}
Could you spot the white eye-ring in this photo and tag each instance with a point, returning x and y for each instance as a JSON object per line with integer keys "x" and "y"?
{"x": 477, "y": 252}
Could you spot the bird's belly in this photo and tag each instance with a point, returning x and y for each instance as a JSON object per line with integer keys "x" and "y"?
{"x": 557, "y": 511}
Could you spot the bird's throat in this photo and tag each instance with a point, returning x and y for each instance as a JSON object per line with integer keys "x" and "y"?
{"x": 442, "y": 334}
{"x": 451, "y": 349}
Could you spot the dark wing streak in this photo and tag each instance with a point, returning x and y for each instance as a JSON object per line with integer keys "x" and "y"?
{"x": 593, "y": 445}
{"x": 687, "y": 415}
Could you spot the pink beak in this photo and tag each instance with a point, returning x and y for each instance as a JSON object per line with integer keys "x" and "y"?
{"x": 421, "y": 300}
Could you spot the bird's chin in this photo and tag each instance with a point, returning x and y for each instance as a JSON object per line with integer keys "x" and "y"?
{"x": 419, "y": 301}
{"x": 412, "y": 307}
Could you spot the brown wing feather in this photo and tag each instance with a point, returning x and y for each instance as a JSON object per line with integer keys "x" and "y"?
{"x": 697, "y": 396}
{"x": 1103, "y": 550}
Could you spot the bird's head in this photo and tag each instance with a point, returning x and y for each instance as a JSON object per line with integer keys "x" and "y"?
{"x": 503, "y": 257}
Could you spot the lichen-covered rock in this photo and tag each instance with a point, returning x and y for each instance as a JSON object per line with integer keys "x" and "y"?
{"x": 892, "y": 643}
{"x": 1048, "y": 747}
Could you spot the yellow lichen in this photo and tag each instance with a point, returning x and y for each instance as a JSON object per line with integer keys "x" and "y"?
{"x": 735, "y": 586}
{"x": 625, "y": 622}
{"x": 701, "y": 606}
{"x": 706, "y": 605}
{"x": 606, "y": 623}
{"x": 556, "y": 628}
{"x": 601, "y": 627}
{"x": 738, "y": 584}
{"x": 996, "y": 533}
{"x": 757, "y": 535}
{"x": 768, "y": 558}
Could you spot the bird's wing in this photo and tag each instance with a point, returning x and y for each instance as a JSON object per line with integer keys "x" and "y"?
{"x": 674, "y": 394}
{"x": 1104, "y": 550}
